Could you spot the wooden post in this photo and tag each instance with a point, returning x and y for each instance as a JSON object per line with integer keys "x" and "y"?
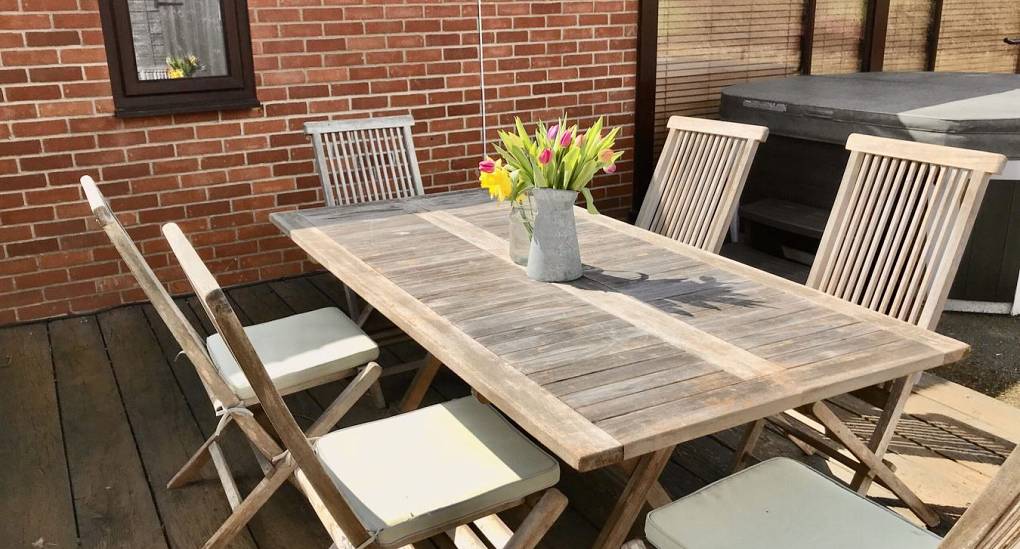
{"x": 644, "y": 117}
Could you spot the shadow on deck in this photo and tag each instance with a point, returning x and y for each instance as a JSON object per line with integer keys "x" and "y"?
{"x": 97, "y": 414}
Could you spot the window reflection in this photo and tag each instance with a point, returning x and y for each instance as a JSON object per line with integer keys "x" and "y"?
{"x": 177, "y": 38}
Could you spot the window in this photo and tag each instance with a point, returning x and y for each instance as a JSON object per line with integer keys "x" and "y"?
{"x": 170, "y": 56}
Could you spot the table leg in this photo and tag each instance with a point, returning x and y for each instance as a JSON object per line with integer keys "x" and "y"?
{"x": 845, "y": 436}
{"x": 635, "y": 493}
{"x": 420, "y": 384}
{"x": 899, "y": 392}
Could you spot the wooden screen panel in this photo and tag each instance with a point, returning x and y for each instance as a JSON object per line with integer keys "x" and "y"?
{"x": 906, "y": 47}
{"x": 706, "y": 45}
{"x": 971, "y": 33}
{"x": 899, "y": 224}
{"x": 838, "y": 36}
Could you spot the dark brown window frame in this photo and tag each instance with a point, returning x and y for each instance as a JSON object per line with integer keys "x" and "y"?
{"x": 134, "y": 98}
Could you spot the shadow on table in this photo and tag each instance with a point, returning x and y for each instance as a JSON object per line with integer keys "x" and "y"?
{"x": 674, "y": 295}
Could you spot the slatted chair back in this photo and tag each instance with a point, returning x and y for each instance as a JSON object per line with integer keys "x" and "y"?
{"x": 216, "y": 305}
{"x": 993, "y": 520}
{"x": 182, "y": 330}
{"x": 900, "y": 222}
{"x": 365, "y": 160}
{"x": 697, "y": 183}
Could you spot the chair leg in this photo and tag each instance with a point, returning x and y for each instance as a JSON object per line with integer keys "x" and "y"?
{"x": 747, "y": 443}
{"x": 366, "y": 378}
{"x": 538, "y": 521}
{"x": 494, "y": 530}
{"x": 845, "y": 436}
{"x": 420, "y": 384}
{"x": 625, "y": 512}
{"x": 226, "y": 477}
{"x": 378, "y": 398}
{"x": 352, "y": 302}
{"x": 657, "y": 494}
{"x": 192, "y": 469}
{"x": 251, "y": 504}
{"x": 463, "y": 537}
{"x": 899, "y": 393}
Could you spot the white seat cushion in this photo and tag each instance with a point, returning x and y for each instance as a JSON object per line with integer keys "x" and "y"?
{"x": 410, "y": 473}
{"x": 297, "y": 350}
{"x": 781, "y": 503}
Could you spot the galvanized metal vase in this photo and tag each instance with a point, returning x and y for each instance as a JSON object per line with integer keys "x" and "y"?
{"x": 554, "y": 255}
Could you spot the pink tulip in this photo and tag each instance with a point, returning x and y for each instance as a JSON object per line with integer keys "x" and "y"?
{"x": 580, "y": 138}
{"x": 607, "y": 156}
{"x": 565, "y": 139}
{"x": 610, "y": 168}
{"x": 487, "y": 166}
{"x": 552, "y": 132}
{"x": 545, "y": 157}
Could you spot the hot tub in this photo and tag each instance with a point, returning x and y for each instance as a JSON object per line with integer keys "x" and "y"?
{"x": 796, "y": 174}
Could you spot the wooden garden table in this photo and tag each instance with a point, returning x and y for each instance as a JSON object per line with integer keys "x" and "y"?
{"x": 658, "y": 343}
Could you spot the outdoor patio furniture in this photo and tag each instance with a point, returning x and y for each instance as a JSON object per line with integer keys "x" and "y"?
{"x": 786, "y": 504}
{"x": 301, "y": 351}
{"x": 657, "y": 344}
{"x": 892, "y": 244}
{"x": 697, "y": 183}
{"x": 365, "y": 160}
{"x": 469, "y": 462}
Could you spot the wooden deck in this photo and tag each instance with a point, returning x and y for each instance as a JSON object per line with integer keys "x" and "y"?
{"x": 96, "y": 414}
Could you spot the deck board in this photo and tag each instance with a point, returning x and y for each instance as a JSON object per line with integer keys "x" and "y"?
{"x": 945, "y": 451}
{"x": 113, "y": 504}
{"x": 282, "y": 522}
{"x": 165, "y": 429}
{"x": 35, "y": 495}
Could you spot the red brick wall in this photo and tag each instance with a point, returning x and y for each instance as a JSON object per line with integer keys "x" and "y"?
{"x": 221, "y": 174}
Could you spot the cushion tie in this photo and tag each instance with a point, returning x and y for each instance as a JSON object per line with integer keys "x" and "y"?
{"x": 225, "y": 416}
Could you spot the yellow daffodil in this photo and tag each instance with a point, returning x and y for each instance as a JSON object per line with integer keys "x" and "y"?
{"x": 175, "y": 73}
{"x": 497, "y": 181}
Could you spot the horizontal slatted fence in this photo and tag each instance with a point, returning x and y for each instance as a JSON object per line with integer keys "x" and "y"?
{"x": 706, "y": 45}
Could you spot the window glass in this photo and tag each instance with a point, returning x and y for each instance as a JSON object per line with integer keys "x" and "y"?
{"x": 178, "y": 38}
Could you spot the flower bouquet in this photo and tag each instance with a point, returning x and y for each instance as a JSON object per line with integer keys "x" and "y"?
{"x": 182, "y": 67}
{"x": 543, "y": 173}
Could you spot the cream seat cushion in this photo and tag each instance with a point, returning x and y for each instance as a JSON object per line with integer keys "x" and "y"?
{"x": 781, "y": 503}
{"x": 297, "y": 350}
{"x": 410, "y": 473}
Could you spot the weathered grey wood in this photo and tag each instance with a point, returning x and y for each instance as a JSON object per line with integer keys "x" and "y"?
{"x": 993, "y": 521}
{"x": 719, "y": 374}
{"x": 36, "y": 501}
{"x": 452, "y": 313}
{"x": 365, "y": 160}
{"x": 113, "y": 504}
{"x": 893, "y": 243}
{"x": 697, "y": 182}
{"x": 300, "y": 459}
{"x": 283, "y": 521}
{"x": 164, "y": 429}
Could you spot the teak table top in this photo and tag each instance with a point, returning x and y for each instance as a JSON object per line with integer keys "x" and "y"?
{"x": 657, "y": 343}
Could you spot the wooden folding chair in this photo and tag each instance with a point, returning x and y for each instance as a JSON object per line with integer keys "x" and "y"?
{"x": 294, "y": 360}
{"x": 398, "y": 480}
{"x": 696, "y": 185}
{"x": 900, "y": 223}
{"x": 367, "y": 160}
{"x": 784, "y": 504}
